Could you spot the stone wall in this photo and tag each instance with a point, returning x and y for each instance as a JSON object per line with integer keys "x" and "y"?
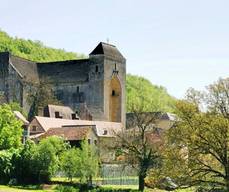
{"x": 75, "y": 82}
{"x": 4, "y": 60}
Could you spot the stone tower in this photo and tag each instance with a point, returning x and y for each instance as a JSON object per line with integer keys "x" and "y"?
{"x": 108, "y": 73}
{"x": 97, "y": 82}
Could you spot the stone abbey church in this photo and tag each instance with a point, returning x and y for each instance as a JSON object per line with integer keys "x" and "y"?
{"x": 97, "y": 82}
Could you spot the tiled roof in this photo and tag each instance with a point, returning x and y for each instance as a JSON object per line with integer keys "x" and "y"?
{"x": 107, "y": 50}
{"x": 103, "y": 128}
{"x": 65, "y": 111}
{"x": 68, "y": 133}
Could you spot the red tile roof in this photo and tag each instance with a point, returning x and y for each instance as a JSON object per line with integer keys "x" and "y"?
{"x": 68, "y": 133}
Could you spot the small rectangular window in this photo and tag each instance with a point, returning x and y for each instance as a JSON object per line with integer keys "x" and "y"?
{"x": 57, "y": 115}
{"x": 74, "y": 116}
{"x": 34, "y": 128}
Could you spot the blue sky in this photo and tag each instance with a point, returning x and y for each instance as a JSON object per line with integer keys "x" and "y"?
{"x": 175, "y": 43}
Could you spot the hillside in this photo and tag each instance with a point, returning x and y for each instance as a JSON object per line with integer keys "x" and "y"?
{"x": 155, "y": 97}
{"x": 34, "y": 50}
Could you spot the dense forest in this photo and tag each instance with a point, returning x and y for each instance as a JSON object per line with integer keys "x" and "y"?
{"x": 154, "y": 98}
{"x": 36, "y": 51}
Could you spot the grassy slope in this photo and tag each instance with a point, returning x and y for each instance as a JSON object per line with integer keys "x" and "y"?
{"x": 4, "y": 188}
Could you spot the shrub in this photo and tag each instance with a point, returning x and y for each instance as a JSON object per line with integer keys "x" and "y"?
{"x": 24, "y": 164}
{"x": 62, "y": 188}
{"x": 82, "y": 163}
{"x": 38, "y": 163}
{"x": 5, "y": 165}
{"x": 70, "y": 162}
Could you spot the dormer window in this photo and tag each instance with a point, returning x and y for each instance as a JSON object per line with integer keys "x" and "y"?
{"x": 57, "y": 115}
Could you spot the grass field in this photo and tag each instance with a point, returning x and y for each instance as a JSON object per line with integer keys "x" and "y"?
{"x": 4, "y": 188}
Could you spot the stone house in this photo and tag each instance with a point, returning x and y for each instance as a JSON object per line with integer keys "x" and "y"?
{"x": 74, "y": 131}
{"x": 73, "y": 134}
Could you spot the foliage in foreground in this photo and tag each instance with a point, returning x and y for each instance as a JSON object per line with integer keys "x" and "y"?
{"x": 63, "y": 188}
{"x": 82, "y": 163}
{"x": 136, "y": 144}
{"x": 37, "y": 163}
{"x": 198, "y": 143}
{"x": 10, "y": 129}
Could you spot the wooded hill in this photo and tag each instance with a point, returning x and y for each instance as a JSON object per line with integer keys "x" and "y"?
{"x": 136, "y": 86}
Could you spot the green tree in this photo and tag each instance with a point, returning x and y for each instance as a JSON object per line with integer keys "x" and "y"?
{"x": 70, "y": 163}
{"x": 34, "y": 50}
{"x": 156, "y": 97}
{"x": 82, "y": 163}
{"x": 5, "y": 165}
{"x": 89, "y": 162}
{"x": 10, "y": 128}
{"x": 24, "y": 164}
{"x": 48, "y": 154}
{"x": 136, "y": 144}
{"x": 37, "y": 163}
{"x": 199, "y": 140}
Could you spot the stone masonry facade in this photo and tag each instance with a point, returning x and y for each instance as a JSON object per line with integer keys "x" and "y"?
{"x": 97, "y": 82}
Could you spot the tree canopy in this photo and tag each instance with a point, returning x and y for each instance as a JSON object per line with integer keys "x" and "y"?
{"x": 34, "y": 50}
{"x": 198, "y": 143}
{"x": 155, "y": 97}
{"x": 10, "y": 128}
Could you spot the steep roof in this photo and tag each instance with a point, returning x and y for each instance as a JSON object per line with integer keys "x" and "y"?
{"x": 65, "y": 111}
{"x": 107, "y": 50}
{"x": 103, "y": 128}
